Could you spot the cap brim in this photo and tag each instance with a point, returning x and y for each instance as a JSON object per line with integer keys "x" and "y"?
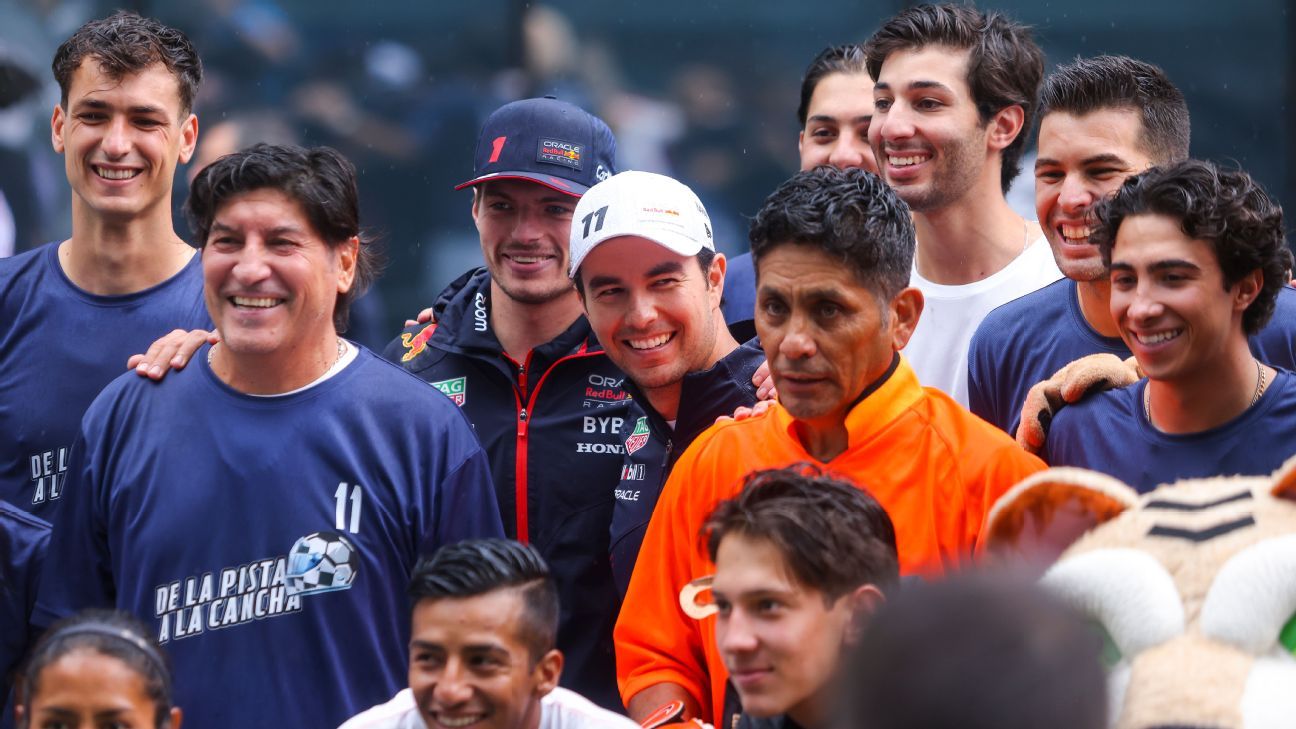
{"x": 558, "y": 184}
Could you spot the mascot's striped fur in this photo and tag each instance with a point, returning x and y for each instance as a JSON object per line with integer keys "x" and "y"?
{"x": 1192, "y": 584}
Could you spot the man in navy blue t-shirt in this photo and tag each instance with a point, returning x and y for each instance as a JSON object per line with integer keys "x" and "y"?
{"x": 1101, "y": 120}
{"x": 72, "y": 312}
{"x": 1197, "y": 258}
{"x": 262, "y": 509}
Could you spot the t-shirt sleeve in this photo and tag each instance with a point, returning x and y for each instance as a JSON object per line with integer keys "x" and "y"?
{"x": 655, "y": 641}
{"x": 22, "y": 551}
{"x": 466, "y": 507}
{"x": 981, "y": 396}
{"x": 77, "y": 573}
{"x": 1007, "y": 467}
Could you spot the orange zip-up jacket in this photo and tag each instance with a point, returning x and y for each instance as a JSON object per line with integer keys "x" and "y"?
{"x": 935, "y": 468}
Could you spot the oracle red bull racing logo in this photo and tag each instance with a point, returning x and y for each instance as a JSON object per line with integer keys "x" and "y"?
{"x": 415, "y": 345}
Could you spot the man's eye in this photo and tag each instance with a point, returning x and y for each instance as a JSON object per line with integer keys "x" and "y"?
{"x": 824, "y": 133}
{"x": 774, "y": 308}
{"x": 881, "y": 105}
{"x": 1048, "y": 175}
{"x": 828, "y": 311}
{"x": 929, "y": 104}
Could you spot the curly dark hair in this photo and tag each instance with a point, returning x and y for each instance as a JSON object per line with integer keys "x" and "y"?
{"x": 1121, "y": 82}
{"x": 320, "y": 179}
{"x": 851, "y": 215}
{"x": 478, "y": 566}
{"x": 1222, "y": 206}
{"x": 125, "y": 43}
{"x": 833, "y": 535}
{"x": 847, "y": 58}
{"x": 1005, "y": 65}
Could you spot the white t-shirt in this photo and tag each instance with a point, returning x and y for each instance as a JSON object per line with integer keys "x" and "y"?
{"x": 560, "y": 709}
{"x": 938, "y": 350}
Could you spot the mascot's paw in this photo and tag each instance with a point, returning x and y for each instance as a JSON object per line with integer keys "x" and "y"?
{"x": 1072, "y": 383}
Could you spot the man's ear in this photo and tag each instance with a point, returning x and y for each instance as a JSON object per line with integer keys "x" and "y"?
{"x": 1247, "y": 289}
{"x": 716, "y": 278}
{"x": 547, "y": 672}
{"x": 348, "y": 256}
{"x": 906, "y": 308}
{"x": 1005, "y": 125}
{"x": 864, "y": 601}
{"x": 188, "y": 138}
{"x": 176, "y": 718}
{"x": 57, "y": 120}
{"x": 476, "y": 201}
{"x": 800, "y": 141}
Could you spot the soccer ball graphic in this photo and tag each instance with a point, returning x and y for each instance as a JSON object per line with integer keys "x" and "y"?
{"x": 321, "y": 562}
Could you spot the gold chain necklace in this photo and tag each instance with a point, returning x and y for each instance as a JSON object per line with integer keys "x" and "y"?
{"x": 1261, "y": 384}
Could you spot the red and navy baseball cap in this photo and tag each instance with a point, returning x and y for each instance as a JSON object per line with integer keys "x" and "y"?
{"x": 545, "y": 140}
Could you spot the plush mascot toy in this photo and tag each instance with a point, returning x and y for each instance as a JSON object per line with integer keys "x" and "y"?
{"x": 1192, "y": 585}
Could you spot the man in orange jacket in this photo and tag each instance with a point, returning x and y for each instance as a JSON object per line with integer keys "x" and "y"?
{"x": 833, "y": 251}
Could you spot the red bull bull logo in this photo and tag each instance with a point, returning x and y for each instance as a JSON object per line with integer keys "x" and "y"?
{"x": 415, "y": 345}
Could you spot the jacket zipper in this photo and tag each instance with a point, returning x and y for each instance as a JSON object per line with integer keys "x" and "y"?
{"x": 521, "y": 485}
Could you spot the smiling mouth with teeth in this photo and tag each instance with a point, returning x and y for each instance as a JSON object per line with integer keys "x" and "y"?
{"x": 650, "y": 343}
{"x": 115, "y": 174}
{"x": 458, "y": 721}
{"x": 1158, "y": 337}
{"x": 528, "y": 259}
{"x": 1075, "y": 233}
{"x": 263, "y": 302}
{"x": 906, "y": 161}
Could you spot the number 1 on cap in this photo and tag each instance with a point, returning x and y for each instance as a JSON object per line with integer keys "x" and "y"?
{"x": 496, "y": 147}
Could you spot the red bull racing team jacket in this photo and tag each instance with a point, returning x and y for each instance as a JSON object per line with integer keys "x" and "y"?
{"x": 550, "y": 426}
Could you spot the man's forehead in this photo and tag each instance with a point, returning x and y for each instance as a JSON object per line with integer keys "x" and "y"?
{"x": 524, "y": 189}
{"x": 942, "y": 64}
{"x": 1110, "y": 130}
{"x": 93, "y": 78}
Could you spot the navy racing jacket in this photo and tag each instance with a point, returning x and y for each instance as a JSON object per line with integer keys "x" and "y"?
{"x": 652, "y": 446}
{"x": 550, "y": 426}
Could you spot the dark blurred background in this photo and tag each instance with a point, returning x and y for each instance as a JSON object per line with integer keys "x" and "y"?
{"x": 703, "y": 90}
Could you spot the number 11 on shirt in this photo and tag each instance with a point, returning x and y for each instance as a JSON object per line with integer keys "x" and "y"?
{"x": 340, "y": 510}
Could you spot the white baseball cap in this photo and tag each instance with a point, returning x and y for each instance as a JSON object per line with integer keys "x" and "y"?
{"x": 641, "y": 204}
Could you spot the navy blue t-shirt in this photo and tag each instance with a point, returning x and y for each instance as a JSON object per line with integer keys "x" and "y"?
{"x": 739, "y": 303}
{"x": 23, "y": 541}
{"x": 1030, "y": 338}
{"x": 1109, "y": 432}
{"x": 59, "y": 346}
{"x": 267, "y": 541}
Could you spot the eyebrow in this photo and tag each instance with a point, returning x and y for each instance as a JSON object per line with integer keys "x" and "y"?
{"x": 1165, "y": 265}
{"x": 137, "y": 109}
{"x": 915, "y": 85}
{"x": 1107, "y": 157}
{"x": 829, "y": 118}
{"x": 601, "y": 281}
{"x": 666, "y": 267}
{"x": 278, "y": 230}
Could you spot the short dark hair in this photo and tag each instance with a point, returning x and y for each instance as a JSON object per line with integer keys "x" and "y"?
{"x": 125, "y": 43}
{"x": 1005, "y": 65}
{"x": 704, "y": 257}
{"x": 850, "y": 214}
{"x": 1225, "y": 207}
{"x": 833, "y": 535}
{"x": 975, "y": 652}
{"x": 108, "y": 633}
{"x": 477, "y": 566}
{"x": 1120, "y": 82}
{"x": 847, "y": 58}
{"x": 320, "y": 179}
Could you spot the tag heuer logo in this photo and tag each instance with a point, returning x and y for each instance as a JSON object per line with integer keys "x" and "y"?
{"x": 639, "y": 437}
{"x": 456, "y": 389}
